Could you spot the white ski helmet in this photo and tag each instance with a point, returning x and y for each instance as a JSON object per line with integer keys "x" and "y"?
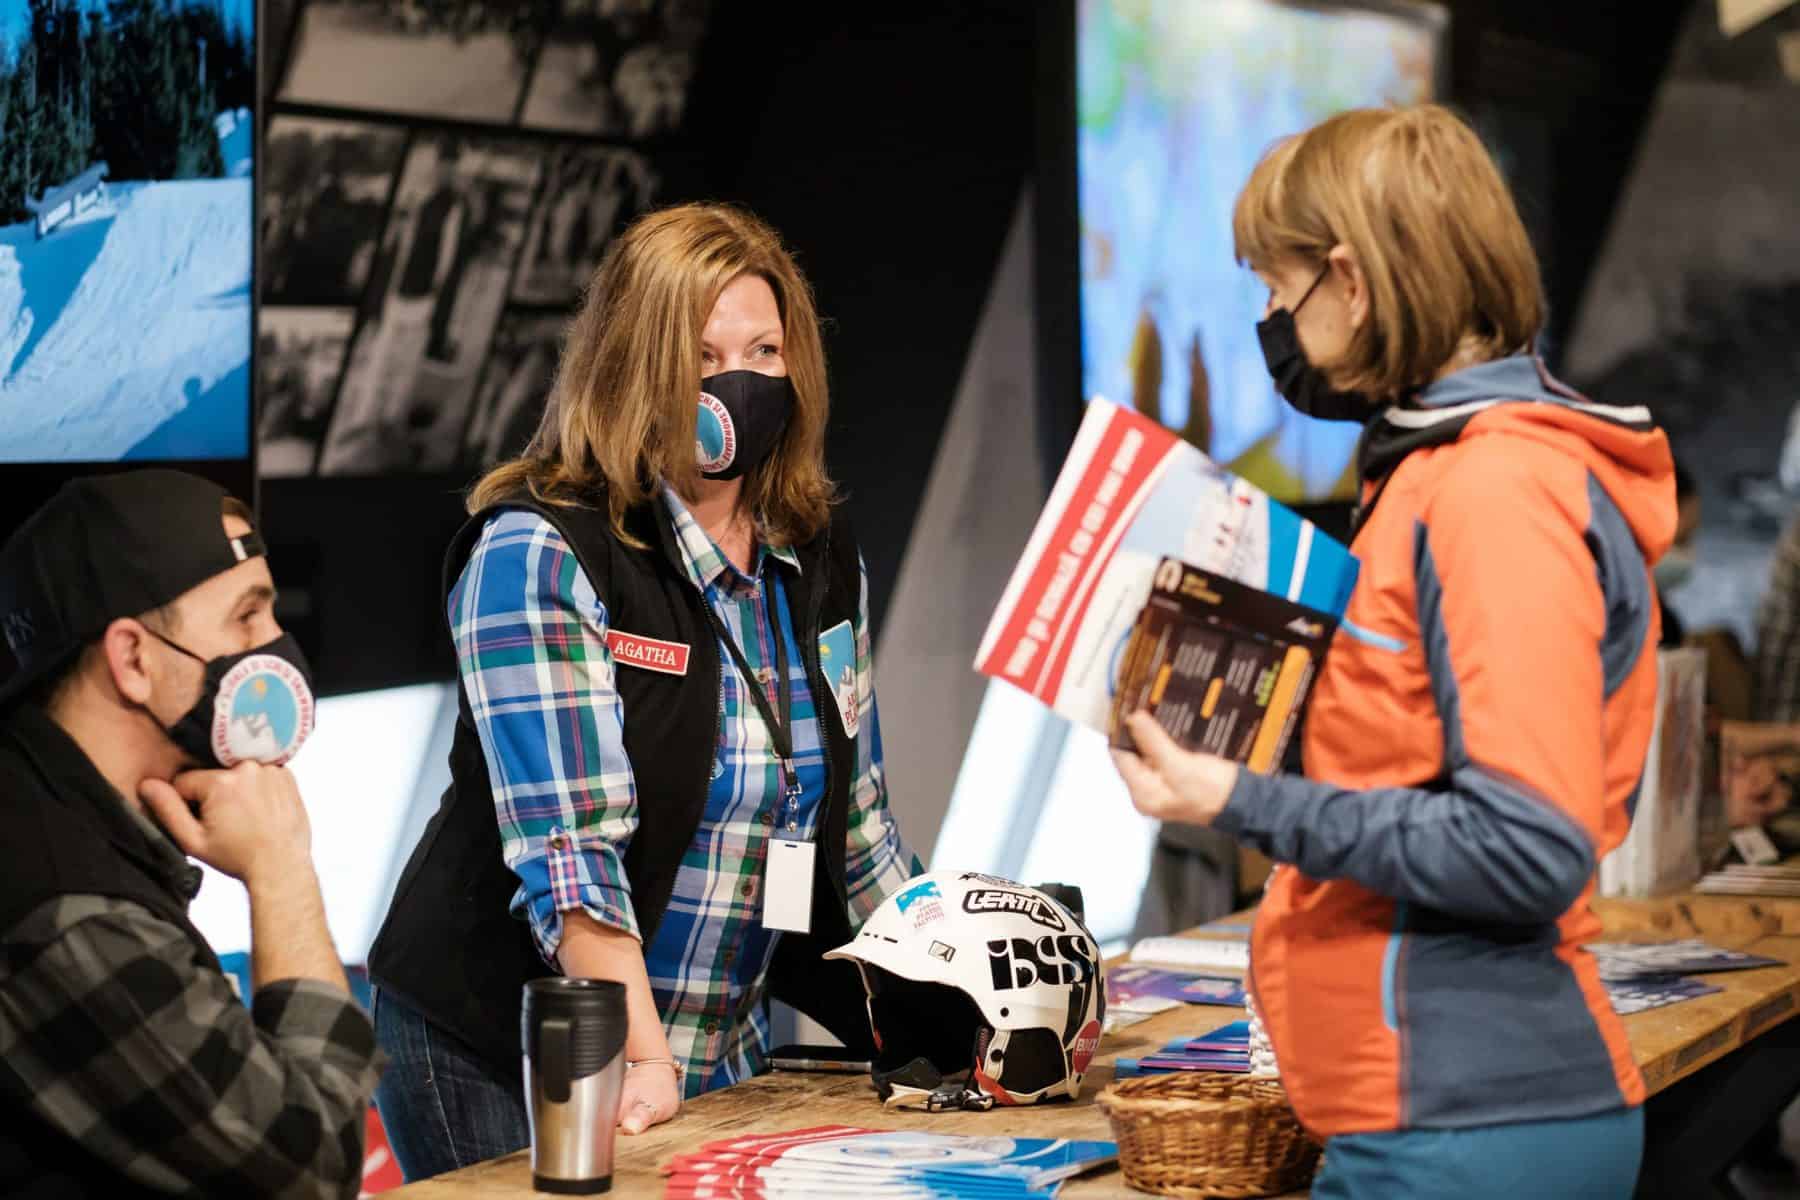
{"x": 971, "y": 973}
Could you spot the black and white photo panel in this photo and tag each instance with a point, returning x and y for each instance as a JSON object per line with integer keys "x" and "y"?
{"x": 617, "y": 68}
{"x": 441, "y": 280}
{"x": 454, "y": 61}
{"x": 326, "y": 191}
{"x": 514, "y": 388}
{"x": 274, "y": 31}
{"x": 590, "y": 193}
{"x": 300, "y": 352}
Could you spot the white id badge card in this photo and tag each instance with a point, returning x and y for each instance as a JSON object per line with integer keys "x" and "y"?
{"x": 787, "y": 886}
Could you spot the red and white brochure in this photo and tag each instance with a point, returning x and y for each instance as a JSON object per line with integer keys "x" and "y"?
{"x": 1129, "y": 494}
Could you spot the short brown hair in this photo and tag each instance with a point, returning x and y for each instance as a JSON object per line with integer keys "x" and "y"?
{"x": 621, "y": 413}
{"x": 1417, "y": 198}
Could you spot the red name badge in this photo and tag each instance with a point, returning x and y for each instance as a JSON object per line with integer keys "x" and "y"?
{"x": 669, "y": 658}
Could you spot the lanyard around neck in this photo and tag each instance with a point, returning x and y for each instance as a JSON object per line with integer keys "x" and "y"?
{"x": 778, "y": 716}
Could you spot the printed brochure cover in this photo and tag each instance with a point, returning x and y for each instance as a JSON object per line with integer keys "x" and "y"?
{"x": 1126, "y": 984}
{"x": 828, "y": 1160}
{"x": 1222, "y": 667}
{"x": 1632, "y": 960}
{"x": 1130, "y": 494}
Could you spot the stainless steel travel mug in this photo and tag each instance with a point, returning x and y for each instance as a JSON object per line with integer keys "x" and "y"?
{"x": 573, "y": 1032}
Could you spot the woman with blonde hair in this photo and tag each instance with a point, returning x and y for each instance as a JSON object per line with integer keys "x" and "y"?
{"x": 1480, "y": 725}
{"x": 652, "y": 611}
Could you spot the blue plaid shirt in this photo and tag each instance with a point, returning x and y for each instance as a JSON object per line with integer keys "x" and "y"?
{"x": 531, "y": 647}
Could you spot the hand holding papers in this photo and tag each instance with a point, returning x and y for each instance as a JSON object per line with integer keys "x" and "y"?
{"x": 1134, "y": 504}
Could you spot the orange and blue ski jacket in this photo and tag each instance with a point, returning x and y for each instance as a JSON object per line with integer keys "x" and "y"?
{"x": 1475, "y": 744}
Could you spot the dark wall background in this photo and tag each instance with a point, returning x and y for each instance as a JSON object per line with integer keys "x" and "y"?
{"x": 890, "y": 146}
{"x": 1563, "y": 90}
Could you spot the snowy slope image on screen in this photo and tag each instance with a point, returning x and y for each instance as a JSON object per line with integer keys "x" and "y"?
{"x": 126, "y": 229}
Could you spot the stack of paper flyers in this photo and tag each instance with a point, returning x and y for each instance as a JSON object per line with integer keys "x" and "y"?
{"x": 1224, "y": 1049}
{"x": 1130, "y": 494}
{"x": 1629, "y": 996}
{"x": 1128, "y": 984}
{"x": 1644, "y": 960}
{"x": 1640, "y": 976}
{"x": 838, "y": 1160}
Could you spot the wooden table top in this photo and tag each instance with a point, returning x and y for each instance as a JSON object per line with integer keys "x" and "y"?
{"x": 1670, "y": 1043}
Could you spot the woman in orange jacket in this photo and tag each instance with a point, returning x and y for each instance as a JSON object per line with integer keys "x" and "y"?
{"x": 1478, "y": 732}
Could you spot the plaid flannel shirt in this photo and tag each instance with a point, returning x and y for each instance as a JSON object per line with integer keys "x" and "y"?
{"x": 112, "y": 1031}
{"x": 531, "y": 648}
{"x": 1778, "y": 634}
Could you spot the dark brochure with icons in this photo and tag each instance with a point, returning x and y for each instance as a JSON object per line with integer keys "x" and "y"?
{"x": 1222, "y": 667}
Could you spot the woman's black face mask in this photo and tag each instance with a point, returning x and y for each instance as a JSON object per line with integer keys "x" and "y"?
{"x": 1300, "y": 383}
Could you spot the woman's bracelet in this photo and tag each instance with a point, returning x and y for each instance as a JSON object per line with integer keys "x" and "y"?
{"x": 672, "y": 1064}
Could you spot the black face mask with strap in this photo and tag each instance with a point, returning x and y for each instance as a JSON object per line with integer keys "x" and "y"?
{"x": 1301, "y": 383}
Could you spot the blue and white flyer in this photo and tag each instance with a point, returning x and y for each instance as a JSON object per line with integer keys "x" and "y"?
{"x": 1129, "y": 494}
{"x": 832, "y": 1160}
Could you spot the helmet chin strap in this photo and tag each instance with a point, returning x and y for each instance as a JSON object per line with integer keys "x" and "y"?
{"x": 918, "y": 1084}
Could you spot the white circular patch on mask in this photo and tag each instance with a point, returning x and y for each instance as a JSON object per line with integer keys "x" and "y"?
{"x": 715, "y": 437}
{"x": 264, "y": 712}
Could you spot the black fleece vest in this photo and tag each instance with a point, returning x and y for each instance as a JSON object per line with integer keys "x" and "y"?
{"x": 450, "y": 948}
{"x": 68, "y": 834}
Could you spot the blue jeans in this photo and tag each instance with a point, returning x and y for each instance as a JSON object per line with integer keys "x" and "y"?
{"x": 1587, "y": 1158}
{"x": 442, "y": 1107}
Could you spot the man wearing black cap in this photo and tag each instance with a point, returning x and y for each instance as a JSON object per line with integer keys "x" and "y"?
{"x": 150, "y": 685}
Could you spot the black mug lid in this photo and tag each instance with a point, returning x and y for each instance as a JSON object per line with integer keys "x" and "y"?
{"x": 586, "y": 1023}
{"x": 558, "y": 995}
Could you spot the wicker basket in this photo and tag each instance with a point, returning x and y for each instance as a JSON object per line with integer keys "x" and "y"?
{"x": 1200, "y": 1135}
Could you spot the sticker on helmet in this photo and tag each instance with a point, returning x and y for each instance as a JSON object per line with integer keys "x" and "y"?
{"x": 1022, "y": 962}
{"x": 1087, "y": 1042}
{"x": 940, "y": 950}
{"x": 996, "y": 880}
{"x": 923, "y": 903}
{"x": 912, "y": 895}
{"x": 1027, "y": 904}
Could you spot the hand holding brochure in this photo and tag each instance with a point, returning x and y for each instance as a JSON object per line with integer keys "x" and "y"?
{"x": 1131, "y": 494}
{"x": 1222, "y": 667}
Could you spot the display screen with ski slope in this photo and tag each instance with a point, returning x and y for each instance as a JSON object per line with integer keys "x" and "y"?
{"x": 126, "y": 229}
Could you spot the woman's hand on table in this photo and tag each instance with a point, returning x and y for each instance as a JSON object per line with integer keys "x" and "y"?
{"x": 1169, "y": 783}
{"x": 651, "y": 1095}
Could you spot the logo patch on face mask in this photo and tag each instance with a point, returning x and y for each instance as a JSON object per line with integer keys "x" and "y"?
{"x": 715, "y": 437}
{"x": 263, "y": 713}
